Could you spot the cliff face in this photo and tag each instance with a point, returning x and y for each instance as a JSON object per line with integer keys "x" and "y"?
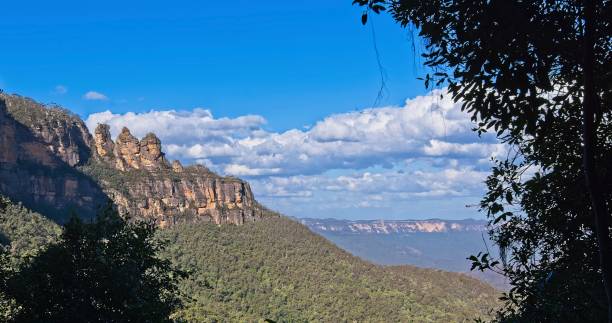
{"x": 62, "y": 133}
{"x": 127, "y": 152}
{"x": 38, "y": 148}
{"x": 50, "y": 161}
{"x": 150, "y": 187}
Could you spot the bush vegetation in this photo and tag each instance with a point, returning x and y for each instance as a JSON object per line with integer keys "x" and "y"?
{"x": 277, "y": 269}
{"x": 273, "y": 269}
{"x": 104, "y": 271}
{"x": 24, "y": 233}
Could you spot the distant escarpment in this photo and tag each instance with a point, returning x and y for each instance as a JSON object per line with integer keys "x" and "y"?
{"x": 50, "y": 162}
{"x": 39, "y": 149}
{"x": 143, "y": 183}
{"x": 393, "y": 226}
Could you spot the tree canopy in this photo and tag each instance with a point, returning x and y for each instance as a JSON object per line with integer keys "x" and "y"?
{"x": 106, "y": 271}
{"x": 537, "y": 74}
{"x": 278, "y": 269}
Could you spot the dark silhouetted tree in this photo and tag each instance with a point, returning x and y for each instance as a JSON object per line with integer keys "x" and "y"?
{"x": 107, "y": 271}
{"x": 539, "y": 75}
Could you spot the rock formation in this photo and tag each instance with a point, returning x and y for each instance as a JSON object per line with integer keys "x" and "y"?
{"x": 177, "y": 167}
{"x": 154, "y": 188}
{"x": 39, "y": 148}
{"x": 103, "y": 144}
{"x": 49, "y": 159}
{"x": 151, "y": 156}
{"x": 64, "y": 133}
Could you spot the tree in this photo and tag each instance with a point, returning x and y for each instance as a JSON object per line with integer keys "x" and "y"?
{"x": 8, "y": 306}
{"x": 537, "y": 73}
{"x": 107, "y": 271}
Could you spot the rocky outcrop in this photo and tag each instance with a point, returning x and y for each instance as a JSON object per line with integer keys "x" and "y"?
{"x": 127, "y": 152}
{"x": 151, "y": 187}
{"x": 38, "y": 148}
{"x": 63, "y": 133}
{"x": 151, "y": 156}
{"x": 103, "y": 144}
{"x": 50, "y": 161}
{"x": 177, "y": 167}
{"x": 191, "y": 197}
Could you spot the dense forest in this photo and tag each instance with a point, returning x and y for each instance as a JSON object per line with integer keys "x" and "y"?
{"x": 102, "y": 270}
{"x": 24, "y": 233}
{"x": 277, "y": 269}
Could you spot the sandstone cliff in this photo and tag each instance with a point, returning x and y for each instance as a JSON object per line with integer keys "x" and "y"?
{"x": 149, "y": 186}
{"x": 38, "y": 148}
{"x": 63, "y": 133}
{"x": 50, "y": 161}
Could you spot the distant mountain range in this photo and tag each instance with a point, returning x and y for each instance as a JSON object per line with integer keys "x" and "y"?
{"x": 433, "y": 243}
{"x": 394, "y": 226}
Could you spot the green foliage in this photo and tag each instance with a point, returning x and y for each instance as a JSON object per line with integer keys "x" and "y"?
{"x": 277, "y": 269}
{"x": 517, "y": 66}
{"x": 25, "y": 233}
{"x": 8, "y": 306}
{"x": 29, "y": 112}
{"x": 111, "y": 177}
{"x": 106, "y": 271}
{"x": 121, "y": 181}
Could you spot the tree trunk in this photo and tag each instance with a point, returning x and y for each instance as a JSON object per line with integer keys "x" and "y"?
{"x": 590, "y": 107}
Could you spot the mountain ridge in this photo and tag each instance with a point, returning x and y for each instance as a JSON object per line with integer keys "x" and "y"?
{"x": 431, "y": 243}
{"x": 295, "y": 275}
{"x": 382, "y": 226}
{"x": 40, "y": 149}
{"x": 52, "y": 163}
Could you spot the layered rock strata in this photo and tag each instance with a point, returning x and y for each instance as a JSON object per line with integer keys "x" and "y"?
{"x": 48, "y": 158}
{"x": 39, "y": 148}
{"x": 168, "y": 192}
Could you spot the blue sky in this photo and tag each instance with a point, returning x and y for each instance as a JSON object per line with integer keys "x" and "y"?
{"x": 277, "y": 92}
{"x": 292, "y": 62}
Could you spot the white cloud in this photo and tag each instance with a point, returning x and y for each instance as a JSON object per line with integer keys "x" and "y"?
{"x": 188, "y": 134}
{"x": 424, "y": 149}
{"x": 388, "y": 191}
{"x": 60, "y": 89}
{"x": 242, "y": 170}
{"x": 474, "y": 149}
{"x": 95, "y": 96}
{"x": 426, "y": 126}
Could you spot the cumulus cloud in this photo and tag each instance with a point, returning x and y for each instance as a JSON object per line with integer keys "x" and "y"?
{"x": 386, "y": 194}
{"x": 452, "y": 149}
{"x": 95, "y": 96}
{"x": 191, "y": 134}
{"x": 460, "y": 181}
{"x": 426, "y": 126}
{"x": 424, "y": 148}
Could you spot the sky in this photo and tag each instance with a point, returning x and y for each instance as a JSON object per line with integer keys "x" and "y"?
{"x": 284, "y": 94}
